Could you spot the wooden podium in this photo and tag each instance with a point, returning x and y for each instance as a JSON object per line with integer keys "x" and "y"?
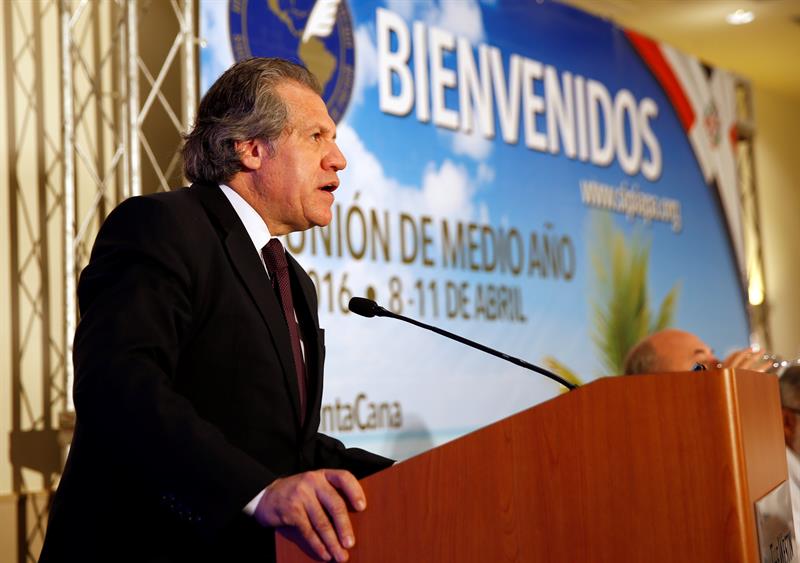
{"x": 639, "y": 468}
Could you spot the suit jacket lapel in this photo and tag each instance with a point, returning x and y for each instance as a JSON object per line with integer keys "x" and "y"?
{"x": 247, "y": 263}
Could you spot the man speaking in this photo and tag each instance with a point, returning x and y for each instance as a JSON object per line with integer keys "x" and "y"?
{"x": 199, "y": 355}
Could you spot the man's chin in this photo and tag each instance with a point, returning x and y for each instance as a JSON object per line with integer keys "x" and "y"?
{"x": 320, "y": 220}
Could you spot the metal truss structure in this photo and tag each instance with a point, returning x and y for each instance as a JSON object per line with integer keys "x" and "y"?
{"x": 94, "y": 115}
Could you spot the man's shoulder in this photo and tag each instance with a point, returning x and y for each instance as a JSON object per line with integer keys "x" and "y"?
{"x": 179, "y": 198}
{"x": 181, "y": 205}
{"x": 176, "y": 217}
{"x": 169, "y": 228}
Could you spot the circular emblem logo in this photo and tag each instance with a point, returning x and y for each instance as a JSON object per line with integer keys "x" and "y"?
{"x": 318, "y": 34}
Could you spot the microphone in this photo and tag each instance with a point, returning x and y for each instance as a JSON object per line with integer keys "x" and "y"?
{"x": 368, "y": 308}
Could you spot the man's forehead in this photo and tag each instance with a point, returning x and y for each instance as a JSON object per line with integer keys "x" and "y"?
{"x": 679, "y": 342}
{"x": 300, "y": 98}
{"x": 306, "y": 108}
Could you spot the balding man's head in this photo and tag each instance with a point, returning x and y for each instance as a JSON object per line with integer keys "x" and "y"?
{"x": 667, "y": 351}
{"x": 790, "y": 401}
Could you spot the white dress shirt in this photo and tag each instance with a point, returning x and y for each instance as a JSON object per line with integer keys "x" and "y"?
{"x": 793, "y": 464}
{"x": 252, "y": 221}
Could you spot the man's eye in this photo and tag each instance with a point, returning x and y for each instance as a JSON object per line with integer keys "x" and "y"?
{"x": 316, "y": 136}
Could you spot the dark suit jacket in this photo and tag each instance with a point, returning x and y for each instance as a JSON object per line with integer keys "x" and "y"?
{"x": 185, "y": 393}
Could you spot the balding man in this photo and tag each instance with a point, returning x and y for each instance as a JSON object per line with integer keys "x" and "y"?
{"x": 672, "y": 350}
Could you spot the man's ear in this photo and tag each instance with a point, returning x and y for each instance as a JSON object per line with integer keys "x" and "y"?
{"x": 252, "y": 153}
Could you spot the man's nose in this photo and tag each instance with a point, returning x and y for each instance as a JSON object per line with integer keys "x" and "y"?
{"x": 335, "y": 158}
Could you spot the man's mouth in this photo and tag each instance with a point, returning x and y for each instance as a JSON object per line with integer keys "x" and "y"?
{"x": 330, "y": 187}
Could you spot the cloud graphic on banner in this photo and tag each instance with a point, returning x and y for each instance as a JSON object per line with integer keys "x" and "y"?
{"x": 217, "y": 56}
{"x": 446, "y": 189}
{"x": 464, "y": 19}
{"x": 485, "y": 173}
{"x": 364, "y": 171}
{"x": 366, "y": 65}
{"x": 402, "y": 8}
{"x": 471, "y": 144}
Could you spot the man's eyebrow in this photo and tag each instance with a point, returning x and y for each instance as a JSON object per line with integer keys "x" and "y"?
{"x": 324, "y": 129}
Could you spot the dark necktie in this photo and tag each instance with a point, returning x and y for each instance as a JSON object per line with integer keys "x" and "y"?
{"x": 278, "y": 268}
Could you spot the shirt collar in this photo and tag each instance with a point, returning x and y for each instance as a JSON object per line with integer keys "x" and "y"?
{"x": 253, "y": 223}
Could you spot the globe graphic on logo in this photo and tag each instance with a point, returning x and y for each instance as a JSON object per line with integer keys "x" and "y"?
{"x": 277, "y": 28}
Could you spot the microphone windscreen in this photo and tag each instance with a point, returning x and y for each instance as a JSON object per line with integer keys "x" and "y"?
{"x": 363, "y": 306}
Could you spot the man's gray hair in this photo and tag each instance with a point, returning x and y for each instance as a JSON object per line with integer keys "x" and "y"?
{"x": 241, "y": 105}
{"x": 790, "y": 387}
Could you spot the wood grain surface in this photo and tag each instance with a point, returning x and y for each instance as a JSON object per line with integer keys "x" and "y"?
{"x": 656, "y": 468}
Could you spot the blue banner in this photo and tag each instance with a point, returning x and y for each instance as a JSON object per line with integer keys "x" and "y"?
{"x": 522, "y": 174}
